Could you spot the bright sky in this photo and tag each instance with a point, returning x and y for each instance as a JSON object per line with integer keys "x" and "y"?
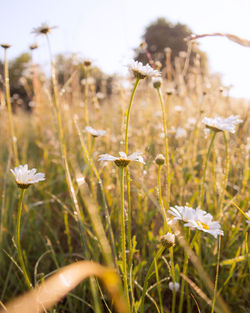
{"x": 107, "y": 31}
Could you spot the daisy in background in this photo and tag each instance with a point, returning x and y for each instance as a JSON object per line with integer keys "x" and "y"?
{"x": 5, "y": 45}
{"x": 248, "y": 215}
{"x": 174, "y": 286}
{"x": 25, "y": 177}
{"x": 180, "y": 132}
{"x": 196, "y": 219}
{"x": 123, "y": 160}
{"x": 219, "y": 124}
{"x": 44, "y": 29}
{"x": 141, "y": 71}
{"x": 94, "y": 132}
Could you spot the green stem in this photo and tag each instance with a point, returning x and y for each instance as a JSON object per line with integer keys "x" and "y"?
{"x": 205, "y": 169}
{"x": 217, "y": 275}
{"x": 128, "y": 114}
{"x": 160, "y": 199}
{"x": 185, "y": 268}
{"x": 10, "y": 114}
{"x": 145, "y": 286}
{"x": 92, "y": 145}
{"x": 19, "y": 250}
{"x": 123, "y": 238}
{"x": 128, "y": 193}
{"x": 164, "y": 122}
{"x": 129, "y": 236}
{"x": 227, "y": 167}
{"x": 158, "y": 285}
{"x": 86, "y": 87}
{"x": 173, "y": 278}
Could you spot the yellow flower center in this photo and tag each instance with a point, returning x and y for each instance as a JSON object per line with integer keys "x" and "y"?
{"x": 203, "y": 225}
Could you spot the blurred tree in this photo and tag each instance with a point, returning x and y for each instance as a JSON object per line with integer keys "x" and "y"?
{"x": 161, "y": 35}
{"x": 20, "y": 80}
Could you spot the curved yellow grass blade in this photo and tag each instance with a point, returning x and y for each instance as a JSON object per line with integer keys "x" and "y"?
{"x": 241, "y": 41}
{"x": 58, "y": 285}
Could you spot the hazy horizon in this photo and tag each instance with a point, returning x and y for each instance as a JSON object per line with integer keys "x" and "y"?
{"x": 108, "y": 31}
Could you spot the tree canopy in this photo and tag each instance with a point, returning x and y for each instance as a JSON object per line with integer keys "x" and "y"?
{"x": 162, "y": 34}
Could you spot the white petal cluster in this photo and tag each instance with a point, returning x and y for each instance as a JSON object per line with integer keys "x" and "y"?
{"x": 141, "y": 71}
{"x": 174, "y": 286}
{"x": 94, "y": 132}
{"x": 204, "y": 221}
{"x": 170, "y": 238}
{"x": 123, "y": 160}
{"x": 220, "y": 124}
{"x": 25, "y": 177}
{"x": 178, "y": 108}
{"x": 196, "y": 218}
{"x": 248, "y": 215}
{"x": 136, "y": 156}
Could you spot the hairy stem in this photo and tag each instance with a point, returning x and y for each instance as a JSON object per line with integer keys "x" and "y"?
{"x": 19, "y": 250}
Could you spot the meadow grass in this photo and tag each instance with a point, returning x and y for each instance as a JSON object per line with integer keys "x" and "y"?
{"x": 84, "y": 210}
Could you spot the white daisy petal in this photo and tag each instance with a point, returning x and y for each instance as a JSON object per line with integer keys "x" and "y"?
{"x": 123, "y": 155}
{"x": 107, "y": 157}
{"x": 136, "y": 156}
{"x": 94, "y": 132}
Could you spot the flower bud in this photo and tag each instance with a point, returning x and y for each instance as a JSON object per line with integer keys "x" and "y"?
{"x": 87, "y": 63}
{"x": 157, "y": 81}
{"x": 160, "y": 159}
{"x": 168, "y": 240}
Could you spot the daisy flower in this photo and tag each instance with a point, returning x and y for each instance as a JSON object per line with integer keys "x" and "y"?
{"x": 94, "y": 132}
{"x": 180, "y": 132}
{"x": 218, "y": 124}
{"x": 204, "y": 221}
{"x": 142, "y": 71}
{"x": 123, "y": 160}
{"x": 5, "y": 45}
{"x": 44, "y": 29}
{"x": 25, "y": 177}
{"x": 196, "y": 218}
